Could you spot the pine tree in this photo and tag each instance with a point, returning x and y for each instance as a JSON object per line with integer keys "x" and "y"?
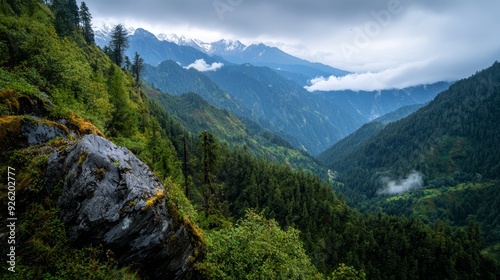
{"x": 64, "y": 22}
{"x": 123, "y": 122}
{"x": 137, "y": 66}
{"x": 74, "y": 12}
{"x": 186, "y": 166}
{"x": 209, "y": 149}
{"x": 128, "y": 64}
{"x": 86, "y": 24}
{"x": 118, "y": 44}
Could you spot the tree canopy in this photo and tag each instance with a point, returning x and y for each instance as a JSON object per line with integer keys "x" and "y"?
{"x": 118, "y": 44}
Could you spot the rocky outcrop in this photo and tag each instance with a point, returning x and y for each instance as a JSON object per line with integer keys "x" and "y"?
{"x": 38, "y": 132}
{"x": 108, "y": 196}
{"x": 23, "y": 131}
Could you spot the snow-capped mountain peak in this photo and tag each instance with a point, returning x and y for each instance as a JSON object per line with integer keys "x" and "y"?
{"x": 103, "y": 31}
{"x": 220, "y": 47}
{"x": 183, "y": 41}
{"x": 168, "y": 37}
{"x": 224, "y": 46}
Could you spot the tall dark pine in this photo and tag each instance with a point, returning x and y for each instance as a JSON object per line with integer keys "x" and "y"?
{"x": 186, "y": 167}
{"x": 64, "y": 22}
{"x": 118, "y": 44}
{"x": 137, "y": 67}
{"x": 209, "y": 149}
{"x": 128, "y": 64}
{"x": 86, "y": 24}
{"x": 74, "y": 12}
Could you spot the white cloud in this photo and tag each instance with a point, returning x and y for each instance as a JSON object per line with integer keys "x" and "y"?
{"x": 458, "y": 33}
{"x": 395, "y": 187}
{"x": 403, "y": 76}
{"x": 202, "y": 66}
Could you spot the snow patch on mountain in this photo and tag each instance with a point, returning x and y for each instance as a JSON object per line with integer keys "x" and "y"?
{"x": 221, "y": 47}
{"x": 183, "y": 41}
{"x": 103, "y": 31}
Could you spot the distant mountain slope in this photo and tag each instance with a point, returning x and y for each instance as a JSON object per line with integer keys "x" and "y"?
{"x": 458, "y": 131}
{"x": 155, "y": 49}
{"x": 258, "y": 55}
{"x": 196, "y": 115}
{"x": 262, "y": 95}
{"x": 398, "y": 114}
{"x": 453, "y": 143}
{"x": 373, "y": 104}
{"x": 272, "y": 57}
{"x": 272, "y": 96}
{"x": 288, "y": 107}
{"x": 347, "y": 145}
{"x": 170, "y": 77}
{"x": 311, "y": 121}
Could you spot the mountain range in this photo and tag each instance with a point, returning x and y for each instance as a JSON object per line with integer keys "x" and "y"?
{"x": 265, "y": 85}
{"x": 230, "y": 50}
{"x": 197, "y": 115}
{"x": 108, "y": 177}
{"x": 441, "y": 162}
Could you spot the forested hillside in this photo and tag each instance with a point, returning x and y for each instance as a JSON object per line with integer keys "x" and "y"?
{"x": 290, "y": 109}
{"x": 452, "y": 142}
{"x": 196, "y": 115}
{"x": 346, "y": 146}
{"x": 170, "y": 77}
{"x": 263, "y": 96}
{"x": 454, "y": 133}
{"x": 373, "y": 104}
{"x": 172, "y": 204}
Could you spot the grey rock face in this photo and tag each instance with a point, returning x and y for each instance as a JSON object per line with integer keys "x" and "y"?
{"x": 110, "y": 197}
{"x": 37, "y": 132}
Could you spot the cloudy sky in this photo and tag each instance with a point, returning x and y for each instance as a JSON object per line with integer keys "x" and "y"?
{"x": 386, "y": 43}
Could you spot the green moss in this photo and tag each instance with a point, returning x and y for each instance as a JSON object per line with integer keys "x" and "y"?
{"x": 83, "y": 157}
{"x": 8, "y": 97}
{"x": 132, "y": 203}
{"x": 83, "y": 127}
{"x": 10, "y": 128}
{"x": 100, "y": 173}
{"x": 30, "y": 165}
{"x": 156, "y": 197}
{"x": 36, "y": 170}
{"x": 177, "y": 199}
{"x": 195, "y": 232}
{"x": 46, "y": 252}
{"x": 182, "y": 212}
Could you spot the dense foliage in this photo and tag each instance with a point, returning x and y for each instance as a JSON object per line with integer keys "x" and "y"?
{"x": 50, "y": 72}
{"x": 346, "y": 146}
{"x": 256, "y": 248}
{"x": 383, "y": 246}
{"x": 264, "y": 96}
{"x": 196, "y": 115}
{"x": 453, "y": 142}
{"x": 455, "y": 132}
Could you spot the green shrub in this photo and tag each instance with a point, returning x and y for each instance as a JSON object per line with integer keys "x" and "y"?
{"x": 256, "y": 248}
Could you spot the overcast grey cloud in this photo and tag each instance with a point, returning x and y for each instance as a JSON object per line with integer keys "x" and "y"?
{"x": 388, "y": 43}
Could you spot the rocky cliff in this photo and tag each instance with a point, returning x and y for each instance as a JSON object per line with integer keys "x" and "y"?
{"x": 109, "y": 197}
